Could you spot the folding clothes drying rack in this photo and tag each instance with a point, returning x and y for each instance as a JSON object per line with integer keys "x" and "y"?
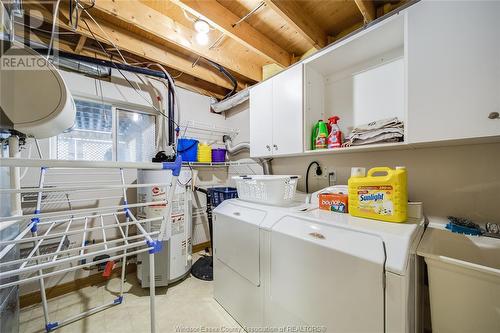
{"x": 56, "y": 226}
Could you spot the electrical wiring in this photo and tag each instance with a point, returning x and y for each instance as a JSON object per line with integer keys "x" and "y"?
{"x": 227, "y": 75}
{"x": 187, "y": 16}
{"x": 172, "y": 86}
{"x": 190, "y": 179}
{"x": 54, "y": 20}
{"x": 124, "y": 76}
{"x": 74, "y": 5}
{"x": 171, "y": 82}
{"x": 104, "y": 32}
{"x": 72, "y": 9}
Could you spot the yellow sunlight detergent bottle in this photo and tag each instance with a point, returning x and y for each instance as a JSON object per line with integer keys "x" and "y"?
{"x": 382, "y": 197}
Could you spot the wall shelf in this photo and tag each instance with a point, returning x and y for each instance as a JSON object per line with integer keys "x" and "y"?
{"x": 217, "y": 164}
{"x": 365, "y": 148}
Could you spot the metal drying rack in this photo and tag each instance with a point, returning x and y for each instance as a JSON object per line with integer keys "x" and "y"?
{"x": 44, "y": 227}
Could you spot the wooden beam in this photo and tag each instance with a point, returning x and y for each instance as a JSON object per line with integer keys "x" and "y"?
{"x": 156, "y": 24}
{"x": 81, "y": 43}
{"x": 367, "y": 9}
{"x": 223, "y": 20}
{"x": 292, "y": 13}
{"x": 185, "y": 81}
{"x": 130, "y": 43}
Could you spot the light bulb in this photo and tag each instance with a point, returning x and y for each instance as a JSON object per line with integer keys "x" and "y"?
{"x": 202, "y": 38}
{"x": 201, "y": 26}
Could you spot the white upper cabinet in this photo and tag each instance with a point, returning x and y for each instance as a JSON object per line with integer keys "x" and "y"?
{"x": 453, "y": 54}
{"x": 287, "y": 115}
{"x": 261, "y": 119}
{"x": 434, "y": 65}
{"x": 276, "y": 115}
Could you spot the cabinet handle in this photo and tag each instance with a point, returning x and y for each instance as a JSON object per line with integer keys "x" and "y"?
{"x": 275, "y": 147}
{"x": 494, "y": 115}
{"x": 268, "y": 147}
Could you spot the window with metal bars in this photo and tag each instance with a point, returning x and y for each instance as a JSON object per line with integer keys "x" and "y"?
{"x": 104, "y": 133}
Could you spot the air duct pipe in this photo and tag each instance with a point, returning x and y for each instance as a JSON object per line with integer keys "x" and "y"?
{"x": 236, "y": 149}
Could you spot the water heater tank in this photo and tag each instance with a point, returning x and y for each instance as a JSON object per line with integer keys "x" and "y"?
{"x": 34, "y": 99}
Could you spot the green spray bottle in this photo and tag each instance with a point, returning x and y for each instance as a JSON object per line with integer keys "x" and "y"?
{"x": 319, "y": 135}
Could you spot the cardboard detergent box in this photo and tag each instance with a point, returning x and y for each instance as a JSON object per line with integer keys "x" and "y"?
{"x": 335, "y": 202}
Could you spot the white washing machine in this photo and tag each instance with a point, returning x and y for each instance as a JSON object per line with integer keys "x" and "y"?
{"x": 283, "y": 266}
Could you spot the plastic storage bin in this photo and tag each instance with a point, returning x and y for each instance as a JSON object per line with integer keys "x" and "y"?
{"x": 188, "y": 148}
{"x": 219, "y": 194}
{"x": 204, "y": 153}
{"x": 218, "y": 155}
{"x": 464, "y": 281}
{"x": 271, "y": 190}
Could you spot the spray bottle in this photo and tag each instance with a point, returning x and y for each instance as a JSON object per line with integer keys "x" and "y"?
{"x": 335, "y": 136}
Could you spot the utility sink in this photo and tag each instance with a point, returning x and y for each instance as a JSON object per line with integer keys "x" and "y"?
{"x": 464, "y": 281}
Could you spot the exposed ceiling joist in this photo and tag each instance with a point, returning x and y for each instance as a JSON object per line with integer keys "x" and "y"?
{"x": 367, "y": 9}
{"x": 223, "y": 20}
{"x": 130, "y": 43}
{"x": 156, "y": 24}
{"x": 81, "y": 43}
{"x": 291, "y": 12}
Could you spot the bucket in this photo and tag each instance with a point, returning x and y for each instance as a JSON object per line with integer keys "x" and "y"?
{"x": 188, "y": 148}
{"x": 204, "y": 153}
{"x": 218, "y": 155}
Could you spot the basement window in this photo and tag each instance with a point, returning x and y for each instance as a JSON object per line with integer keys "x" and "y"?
{"x": 136, "y": 136}
{"x": 104, "y": 133}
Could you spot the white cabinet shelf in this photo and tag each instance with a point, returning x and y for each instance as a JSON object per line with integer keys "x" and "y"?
{"x": 356, "y": 149}
{"x": 360, "y": 80}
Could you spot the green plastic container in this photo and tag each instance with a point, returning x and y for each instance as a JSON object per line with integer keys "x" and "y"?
{"x": 319, "y": 135}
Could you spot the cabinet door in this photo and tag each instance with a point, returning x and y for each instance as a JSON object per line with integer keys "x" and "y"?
{"x": 287, "y": 112}
{"x": 261, "y": 118}
{"x": 453, "y": 70}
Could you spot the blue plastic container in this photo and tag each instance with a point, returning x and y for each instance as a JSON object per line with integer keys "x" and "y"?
{"x": 188, "y": 148}
{"x": 219, "y": 194}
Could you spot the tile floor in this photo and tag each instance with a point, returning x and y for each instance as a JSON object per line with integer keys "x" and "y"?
{"x": 188, "y": 304}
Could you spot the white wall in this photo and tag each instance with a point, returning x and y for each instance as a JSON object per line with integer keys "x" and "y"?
{"x": 457, "y": 180}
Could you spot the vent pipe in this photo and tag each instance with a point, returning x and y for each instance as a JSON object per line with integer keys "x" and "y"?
{"x": 236, "y": 149}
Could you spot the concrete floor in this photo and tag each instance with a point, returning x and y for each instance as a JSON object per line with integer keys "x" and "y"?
{"x": 188, "y": 306}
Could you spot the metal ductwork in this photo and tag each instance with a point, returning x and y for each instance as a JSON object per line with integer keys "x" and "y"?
{"x": 236, "y": 149}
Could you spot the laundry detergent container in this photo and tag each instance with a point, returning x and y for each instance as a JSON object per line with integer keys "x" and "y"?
{"x": 464, "y": 281}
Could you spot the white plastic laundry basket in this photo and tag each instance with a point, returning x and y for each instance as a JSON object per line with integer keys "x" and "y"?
{"x": 271, "y": 190}
{"x": 464, "y": 281}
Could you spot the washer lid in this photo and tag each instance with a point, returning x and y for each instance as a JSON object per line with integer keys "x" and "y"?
{"x": 327, "y": 275}
{"x": 397, "y": 237}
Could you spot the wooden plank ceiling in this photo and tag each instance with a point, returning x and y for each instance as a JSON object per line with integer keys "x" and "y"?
{"x": 244, "y": 35}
